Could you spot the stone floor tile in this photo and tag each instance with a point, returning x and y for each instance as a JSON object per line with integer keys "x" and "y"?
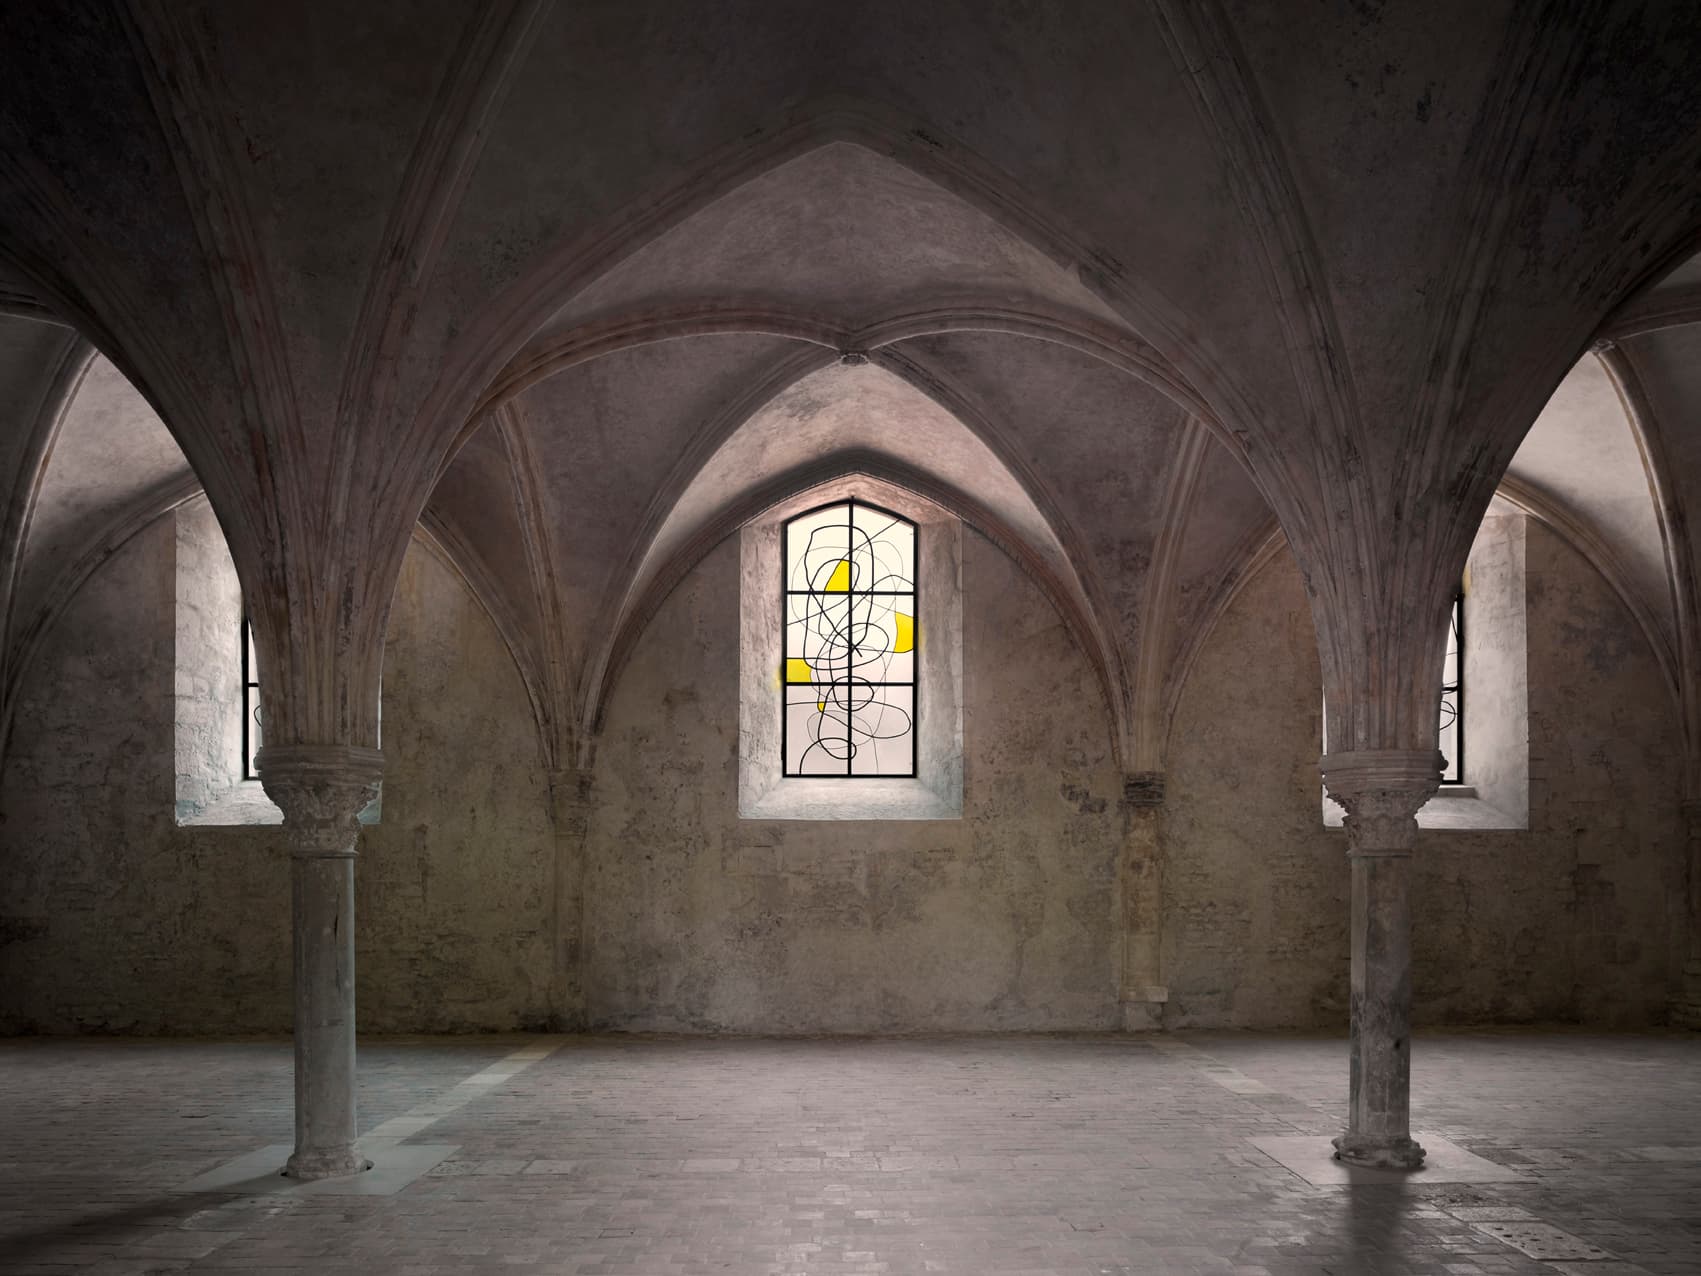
{"x": 985, "y": 1155}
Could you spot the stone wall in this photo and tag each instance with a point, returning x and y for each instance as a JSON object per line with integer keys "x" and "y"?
{"x": 1004, "y": 919}
{"x": 1577, "y": 918}
{"x": 1497, "y": 668}
{"x": 113, "y": 918}
{"x": 207, "y": 686}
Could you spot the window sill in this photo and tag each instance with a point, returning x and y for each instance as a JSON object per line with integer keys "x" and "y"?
{"x": 831, "y": 799}
{"x": 1455, "y": 806}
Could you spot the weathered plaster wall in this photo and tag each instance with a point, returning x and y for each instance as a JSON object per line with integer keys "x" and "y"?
{"x": 1497, "y": 668}
{"x": 1255, "y": 892}
{"x": 114, "y": 918}
{"x": 1004, "y": 919}
{"x": 1576, "y": 918}
{"x": 207, "y": 686}
{"x": 452, "y": 886}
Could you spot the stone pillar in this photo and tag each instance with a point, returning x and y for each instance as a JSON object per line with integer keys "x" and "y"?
{"x": 322, "y": 789}
{"x": 570, "y": 812}
{"x": 1381, "y": 792}
{"x": 1140, "y": 872}
{"x": 1686, "y": 1010}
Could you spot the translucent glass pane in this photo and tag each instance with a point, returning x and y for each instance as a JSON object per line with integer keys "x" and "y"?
{"x": 884, "y": 550}
{"x": 817, "y": 547}
{"x": 818, "y": 633}
{"x": 817, "y": 741}
{"x": 882, "y": 634}
{"x": 882, "y": 734}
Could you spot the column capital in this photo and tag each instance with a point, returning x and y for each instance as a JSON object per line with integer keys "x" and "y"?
{"x": 1382, "y": 791}
{"x": 321, "y": 789}
{"x": 1143, "y": 788}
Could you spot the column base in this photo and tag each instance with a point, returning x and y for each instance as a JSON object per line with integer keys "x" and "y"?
{"x": 1686, "y": 1008}
{"x": 1379, "y": 1152}
{"x": 325, "y": 1163}
{"x": 1142, "y": 1016}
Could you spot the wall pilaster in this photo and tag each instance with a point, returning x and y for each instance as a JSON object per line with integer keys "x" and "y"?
{"x": 571, "y": 799}
{"x": 1142, "y": 991}
{"x": 1686, "y": 1007}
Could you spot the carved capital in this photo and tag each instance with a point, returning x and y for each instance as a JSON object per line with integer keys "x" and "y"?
{"x": 1382, "y": 791}
{"x": 321, "y": 790}
{"x": 1143, "y": 788}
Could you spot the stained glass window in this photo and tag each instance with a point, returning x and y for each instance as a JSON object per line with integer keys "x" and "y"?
{"x": 1452, "y": 726}
{"x": 849, "y": 667}
{"x": 250, "y": 703}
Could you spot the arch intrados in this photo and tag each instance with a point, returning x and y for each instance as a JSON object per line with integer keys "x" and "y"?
{"x": 166, "y": 394}
{"x": 68, "y": 308}
{"x": 780, "y": 379}
{"x": 799, "y": 486}
{"x": 1082, "y": 608}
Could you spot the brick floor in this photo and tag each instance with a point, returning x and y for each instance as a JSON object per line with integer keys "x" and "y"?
{"x": 1008, "y": 1155}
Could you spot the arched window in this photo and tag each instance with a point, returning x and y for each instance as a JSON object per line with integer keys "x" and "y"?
{"x": 850, "y": 664}
{"x": 849, "y": 675}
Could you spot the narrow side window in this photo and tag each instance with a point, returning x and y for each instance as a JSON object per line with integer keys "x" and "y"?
{"x": 1451, "y": 736}
{"x": 250, "y": 702}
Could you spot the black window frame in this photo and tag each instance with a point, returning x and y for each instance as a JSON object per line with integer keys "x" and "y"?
{"x": 1455, "y": 770}
{"x": 250, "y": 704}
{"x": 914, "y": 684}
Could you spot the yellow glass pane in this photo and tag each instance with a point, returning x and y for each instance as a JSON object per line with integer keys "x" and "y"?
{"x": 799, "y": 671}
{"x": 905, "y": 640}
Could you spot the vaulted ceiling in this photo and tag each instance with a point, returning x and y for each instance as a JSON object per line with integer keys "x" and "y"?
{"x": 575, "y": 505}
{"x": 576, "y": 287}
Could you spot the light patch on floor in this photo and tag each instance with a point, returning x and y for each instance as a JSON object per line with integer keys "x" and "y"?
{"x": 259, "y": 1172}
{"x": 395, "y": 1164}
{"x": 1313, "y": 1159}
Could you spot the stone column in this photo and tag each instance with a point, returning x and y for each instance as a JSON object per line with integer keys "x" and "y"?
{"x": 1143, "y": 993}
{"x": 1381, "y": 792}
{"x": 1686, "y": 1010}
{"x": 570, "y": 813}
{"x": 322, "y": 790}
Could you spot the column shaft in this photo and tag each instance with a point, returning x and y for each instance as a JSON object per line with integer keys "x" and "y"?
{"x": 1381, "y": 792}
{"x": 1379, "y": 1100}
{"x": 322, "y": 790}
{"x": 325, "y": 1128}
